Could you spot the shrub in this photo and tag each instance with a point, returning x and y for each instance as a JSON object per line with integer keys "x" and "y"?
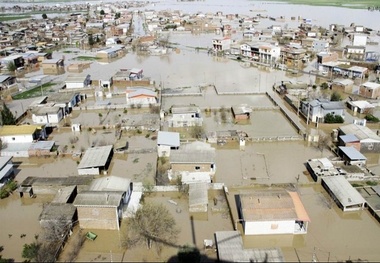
{"x": 371, "y": 118}
{"x": 331, "y": 118}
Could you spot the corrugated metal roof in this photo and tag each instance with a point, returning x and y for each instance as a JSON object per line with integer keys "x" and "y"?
{"x": 8, "y": 130}
{"x": 230, "y": 249}
{"x": 110, "y": 183}
{"x": 190, "y": 156}
{"x": 42, "y": 145}
{"x": 343, "y": 190}
{"x": 99, "y": 198}
{"x": 95, "y": 157}
{"x": 198, "y": 194}
{"x": 168, "y": 138}
{"x": 352, "y": 153}
{"x": 349, "y": 138}
{"x": 362, "y": 132}
{"x": 4, "y": 160}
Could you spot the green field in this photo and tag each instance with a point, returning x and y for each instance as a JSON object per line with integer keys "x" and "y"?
{"x": 359, "y": 4}
{"x": 5, "y": 18}
{"x": 34, "y": 92}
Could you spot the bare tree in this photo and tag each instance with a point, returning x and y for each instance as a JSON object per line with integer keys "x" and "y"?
{"x": 152, "y": 225}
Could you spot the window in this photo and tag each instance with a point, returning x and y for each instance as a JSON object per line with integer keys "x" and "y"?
{"x": 197, "y": 168}
{"x": 13, "y": 138}
{"x": 274, "y": 226}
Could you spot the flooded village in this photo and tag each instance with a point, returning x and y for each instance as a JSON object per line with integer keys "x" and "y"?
{"x": 189, "y": 131}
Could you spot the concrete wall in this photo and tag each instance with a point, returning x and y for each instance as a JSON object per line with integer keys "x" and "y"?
{"x": 179, "y": 167}
{"x": 91, "y": 171}
{"x": 98, "y": 218}
{"x": 269, "y": 227}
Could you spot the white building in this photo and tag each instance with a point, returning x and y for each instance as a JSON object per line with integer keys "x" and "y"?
{"x": 185, "y": 116}
{"x": 95, "y": 160}
{"x": 78, "y": 81}
{"x": 11, "y": 134}
{"x": 141, "y": 96}
{"x": 267, "y": 212}
{"x": 47, "y": 114}
{"x": 167, "y": 141}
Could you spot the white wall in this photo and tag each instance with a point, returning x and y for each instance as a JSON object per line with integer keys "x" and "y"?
{"x": 265, "y": 227}
{"x": 88, "y": 171}
{"x": 163, "y": 150}
{"x": 17, "y": 138}
{"x": 76, "y": 85}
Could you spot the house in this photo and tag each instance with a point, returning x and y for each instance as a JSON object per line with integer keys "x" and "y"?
{"x": 194, "y": 162}
{"x": 370, "y": 90}
{"x": 167, "y": 141}
{"x": 369, "y": 140}
{"x": 241, "y": 112}
{"x": 268, "y": 212}
{"x": 198, "y": 197}
{"x": 222, "y": 137}
{"x": 343, "y": 193}
{"x": 360, "y": 106}
{"x": 230, "y": 248}
{"x": 316, "y": 110}
{"x": 6, "y": 170}
{"x": 324, "y": 57}
{"x": 351, "y": 156}
{"x": 111, "y": 52}
{"x": 113, "y": 183}
{"x": 349, "y": 140}
{"x": 141, "y": 96}
{"x": 47, "y": 114}
{"x": 41, "y": 148}
{"x": 221, "y": 43}
{"x": 16, "y": 59}
{"x": 7, "y": 81}
{"x": 354, "y": 52}
{"x": 52, "y": 66}
{"x": 359, "y": 39}
{"x": 342, "y": 85}
{"x": 95, "y": 160}
{"x": 130, "y": 78}
{"x": 319, "y": 45}
{"x": 185, "y": 116}
{"x": 79, "y": 81}
{"x": 100, "y": 209}
{"x": 58, "y": 214}
{"x": 66, "y": 100}
{"x": 10, "y": 134}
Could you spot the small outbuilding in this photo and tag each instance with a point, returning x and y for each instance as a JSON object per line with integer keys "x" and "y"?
{"x": 167, "y": 141}
{"x": 230, "y": 248}
{"x": 95, "y": 160}
{"x": 343, "y": 193}
{"x": 241, "y": 112}
{"x": 198, "y": 197}
{"x": 352, "y": 156}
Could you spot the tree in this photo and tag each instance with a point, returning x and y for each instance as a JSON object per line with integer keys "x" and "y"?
{"x": 117, "y": 15}
{"x": 324, "y": 85}
{"x": 7, "y": 117}
{"x": 332, "y": 118}
{"x": 11, "y": 67}
{"x": 335, "y": 96}
{"x": 44, "y": 16}
{"x": 30, "y": 251}
{"x": 102, "y": 13}
{"x": 189, "y": 254}
{"x": 153, "y": 225}
{"x": 196, "y": 131}
{"x": 91, "y": 40}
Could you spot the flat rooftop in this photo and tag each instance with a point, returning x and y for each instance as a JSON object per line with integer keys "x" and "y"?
{"x": 95, "y": 157}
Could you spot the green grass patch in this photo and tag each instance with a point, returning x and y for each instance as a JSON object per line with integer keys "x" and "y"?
{"x": 34, "y": 92}
{"x": 86, "y": 58}
{"x": 7, "y": 189}
{"x": 4, "y": 18}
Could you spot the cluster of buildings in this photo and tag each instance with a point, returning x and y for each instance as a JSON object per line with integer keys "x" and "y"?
{"x": 103, "y": 202}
